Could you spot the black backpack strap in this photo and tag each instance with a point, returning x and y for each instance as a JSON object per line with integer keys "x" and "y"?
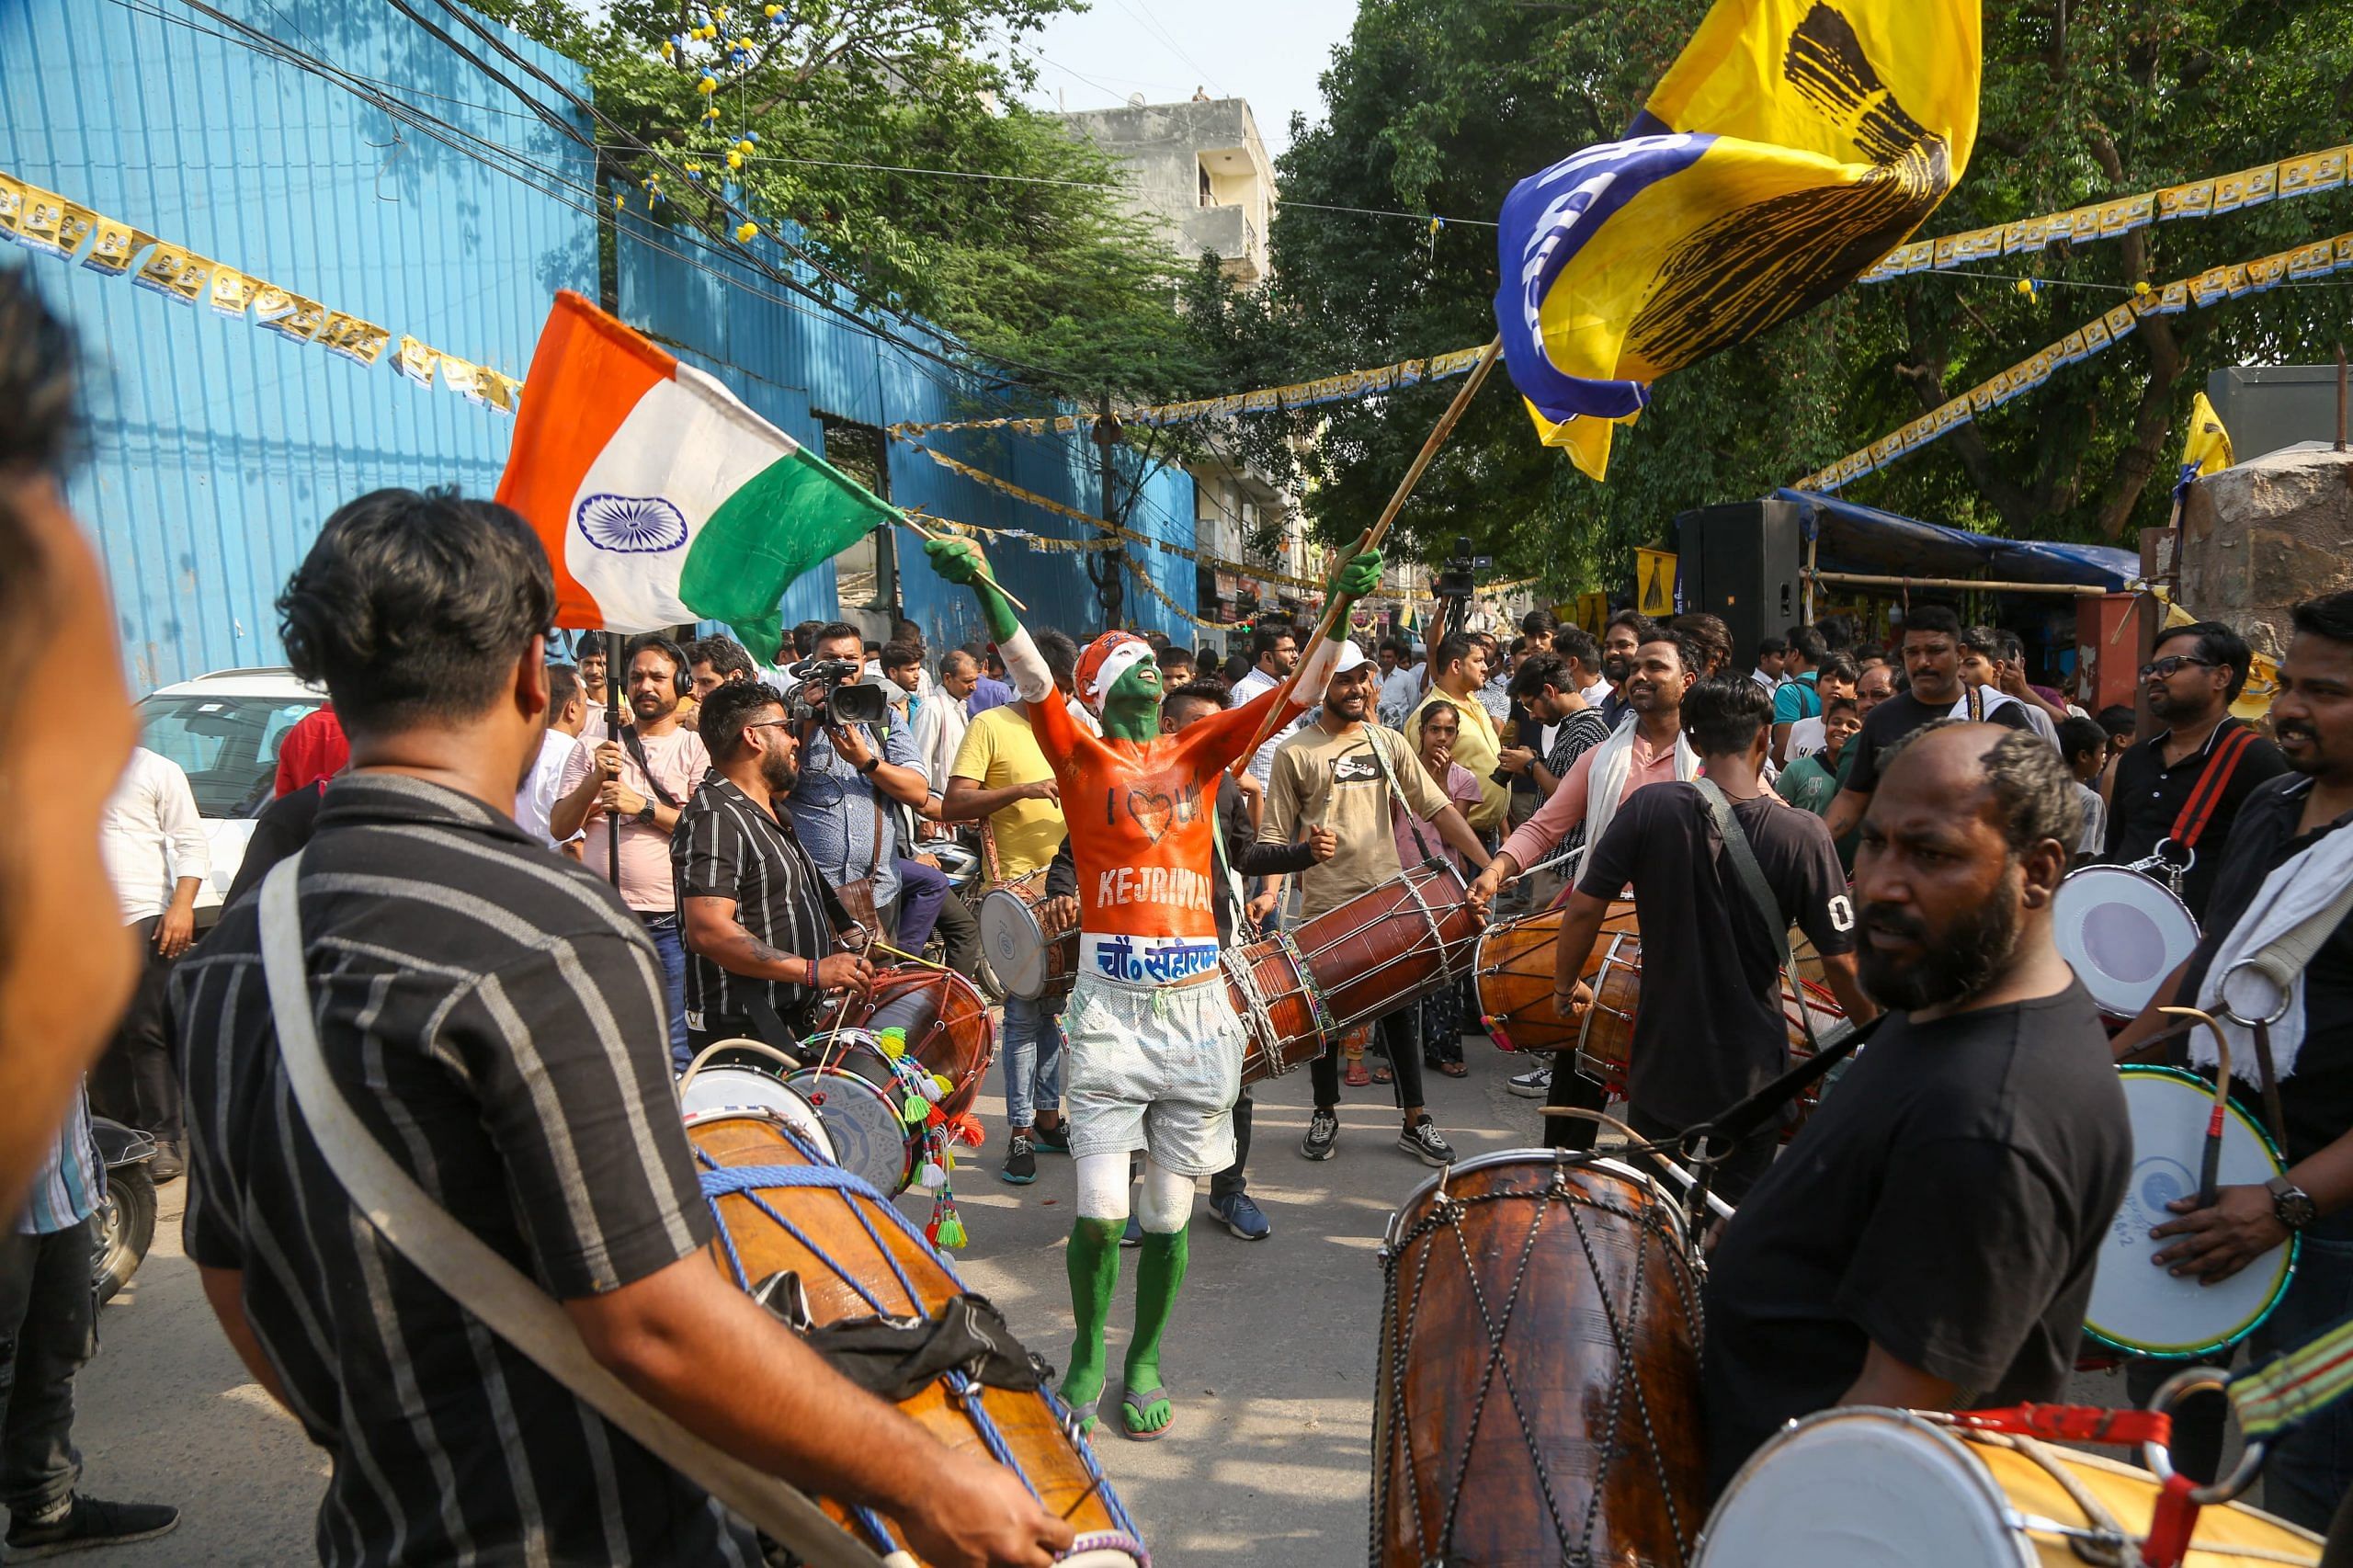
{"x": 1760, "y": 893}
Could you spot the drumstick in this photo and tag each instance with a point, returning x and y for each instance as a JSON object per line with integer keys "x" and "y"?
{"x": 913, "y": 959}
{"x": 2210, "y": 1162}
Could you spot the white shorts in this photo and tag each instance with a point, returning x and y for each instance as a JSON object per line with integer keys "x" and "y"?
{"x": 1154, "y": 1067}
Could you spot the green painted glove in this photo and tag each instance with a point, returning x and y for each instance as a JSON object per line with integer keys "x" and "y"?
{"x": 1357, "y": 576}
{"x": 957, "y": 560}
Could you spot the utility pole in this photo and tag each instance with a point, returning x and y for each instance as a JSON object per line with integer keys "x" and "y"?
{"x": 1110, "y": 584}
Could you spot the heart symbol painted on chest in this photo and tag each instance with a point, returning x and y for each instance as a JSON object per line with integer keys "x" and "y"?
{"x": 1152, "y": 811}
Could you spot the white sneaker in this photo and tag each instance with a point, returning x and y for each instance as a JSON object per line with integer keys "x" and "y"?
{"x": 1533, "y": 1084}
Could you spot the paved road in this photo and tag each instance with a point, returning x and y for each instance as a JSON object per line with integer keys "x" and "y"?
{"x": 1270, "y": 1357}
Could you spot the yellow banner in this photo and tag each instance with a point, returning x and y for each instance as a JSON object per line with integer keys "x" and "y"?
{"x": 1654, "y": 583}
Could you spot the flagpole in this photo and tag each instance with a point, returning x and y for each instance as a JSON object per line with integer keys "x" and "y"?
{"x": 612, "y": 734}
{"x": 1373, "y": 536}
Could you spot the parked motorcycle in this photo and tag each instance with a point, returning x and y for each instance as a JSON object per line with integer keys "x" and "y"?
{"x": 127, "y": 1211}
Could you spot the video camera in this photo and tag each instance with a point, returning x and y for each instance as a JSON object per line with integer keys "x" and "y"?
{"x": 832, "y": 692}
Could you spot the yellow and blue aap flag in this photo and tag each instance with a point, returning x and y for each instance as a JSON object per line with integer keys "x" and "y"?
{"x": 1792, "y": 145}
{"x": 2206, "y": 449}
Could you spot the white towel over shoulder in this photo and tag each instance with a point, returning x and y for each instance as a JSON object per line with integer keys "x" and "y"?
{"x": 2295, "y": 889}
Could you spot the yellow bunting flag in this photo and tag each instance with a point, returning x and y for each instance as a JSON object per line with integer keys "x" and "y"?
{"x": 231, "y": 291}
{"x": 37, "y": 223}
{"x": 415, "y": 361}
{"x": 114, "y": 246}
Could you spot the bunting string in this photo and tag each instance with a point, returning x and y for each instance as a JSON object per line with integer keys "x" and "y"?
{"x": 2212, "y": 286}
{"x": 2307, "y": 173}
{"x": 47, "y": 224}
{"x": 1265, "y": 399}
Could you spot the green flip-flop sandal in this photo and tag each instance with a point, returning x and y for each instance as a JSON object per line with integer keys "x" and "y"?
{"x": 1135, "y": 1405}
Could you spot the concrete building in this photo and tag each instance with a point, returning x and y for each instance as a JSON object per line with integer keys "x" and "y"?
{"x": 1201, "y": 177}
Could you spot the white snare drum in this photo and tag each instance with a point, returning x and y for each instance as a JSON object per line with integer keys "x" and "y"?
{"x": 1867, "y": 1488}
{"x": 1029, "y": 961}
{"x": 2143, "y": 1310}
{"x": 716, "y": 1093}
{"x": 2122, "y": 933}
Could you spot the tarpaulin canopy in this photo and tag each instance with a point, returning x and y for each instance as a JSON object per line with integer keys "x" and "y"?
{"x": 1865, "y": 539}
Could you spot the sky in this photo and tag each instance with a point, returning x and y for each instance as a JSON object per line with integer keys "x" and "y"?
{"x": 1270, "y": 51}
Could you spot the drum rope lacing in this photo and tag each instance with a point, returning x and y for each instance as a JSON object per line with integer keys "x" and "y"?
{"x": 1263, "y": 1033}
{"x": 747, "y": 1181}
{"x": 1446, "y": 1211}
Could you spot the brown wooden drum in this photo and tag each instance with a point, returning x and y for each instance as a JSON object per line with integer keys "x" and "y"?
{"x": 1538, "y": 1395}
{"x": 947, "y": 1020}
{"x": 856, "y": 1257}
{"x": 1512, "y": 970}
{"x": 1349, "y": 966}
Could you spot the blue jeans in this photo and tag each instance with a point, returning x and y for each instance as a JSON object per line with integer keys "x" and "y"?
{"x": 671, "y": 946}
{"x": 2308, "y": 1470}
{"x": 1033, "y": 1059}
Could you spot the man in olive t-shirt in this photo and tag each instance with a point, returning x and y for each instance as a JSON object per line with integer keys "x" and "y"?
{"x": 1327, "y": 819}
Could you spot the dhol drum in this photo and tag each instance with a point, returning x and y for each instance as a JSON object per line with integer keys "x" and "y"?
{"x": 862, "y": 1099}
{"x": 1604, "y": 1035}
{"x": 947, "y": 1021}
{"x": 2122, "y": 933}
{"x": 1029, "y": 961}
{"x": 856, "y": 1257}
{"x": 1349, "y": 966}
{"x": 2144, "y": 1310}
{"x": 1868, "y": 1488}
{"x": 1512, "y": 968}
{"x": 727, "y": 1090}
{"x": 1537, "y": 1393}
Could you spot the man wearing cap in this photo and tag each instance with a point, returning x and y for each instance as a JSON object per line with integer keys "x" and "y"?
{"x": 1155, "y": 1046}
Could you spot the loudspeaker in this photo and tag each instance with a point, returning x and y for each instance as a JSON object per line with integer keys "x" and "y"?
{"x": 1739, "y": 561}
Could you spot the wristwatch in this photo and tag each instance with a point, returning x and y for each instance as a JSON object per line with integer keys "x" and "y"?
{"x": 866, "y": 769}
{"x": 646, "y": 814}
{"x": 2291, "y": 1204}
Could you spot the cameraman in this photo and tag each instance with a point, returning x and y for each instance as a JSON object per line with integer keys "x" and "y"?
{"x": 839, "y": 805}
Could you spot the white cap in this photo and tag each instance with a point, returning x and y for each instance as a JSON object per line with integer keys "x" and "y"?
{"x": 1351, "y": 657}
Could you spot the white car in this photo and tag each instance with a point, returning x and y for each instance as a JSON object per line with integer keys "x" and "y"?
{"x": 223, "y": 730}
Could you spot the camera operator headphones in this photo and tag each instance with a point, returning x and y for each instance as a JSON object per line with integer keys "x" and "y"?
{"x": 682, "y": 679}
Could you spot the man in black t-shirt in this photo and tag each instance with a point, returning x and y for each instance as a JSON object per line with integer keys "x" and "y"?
{"x": 2179, "y": 790}
{"x": 1929, "y": 1240}
{"x": 1709, "y": 1028}
{"x": 1932, "y": 660}
{"x": 2309, "y": 1468}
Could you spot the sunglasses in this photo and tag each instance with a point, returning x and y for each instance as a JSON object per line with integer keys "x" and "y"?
{"x": 2172, "y": 663}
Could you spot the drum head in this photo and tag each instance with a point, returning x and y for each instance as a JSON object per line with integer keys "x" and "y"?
{"x": 1861, "y": 1488}
{"x": 2145, "y": 1310}
{"x": 863, "y": 1123}
{"x": 2122, "y": 933}
{"x": 1015, "y": 946}
{"x": 719, "y": 1092}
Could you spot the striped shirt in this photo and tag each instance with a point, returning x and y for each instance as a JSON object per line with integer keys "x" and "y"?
{"x": 65, "y": 1189}
{"x": 726, "y": 847}
{"x": 494, "y": 1015}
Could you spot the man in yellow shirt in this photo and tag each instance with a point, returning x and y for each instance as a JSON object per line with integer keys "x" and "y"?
{"x": 1001, "y": 779}
{"x": 1459, "y": 669}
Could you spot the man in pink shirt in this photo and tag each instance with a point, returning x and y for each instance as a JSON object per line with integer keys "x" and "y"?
{"x": 1650, "y": 750}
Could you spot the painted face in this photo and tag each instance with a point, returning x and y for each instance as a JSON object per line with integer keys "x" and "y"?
{"x": 1131, "y": 708}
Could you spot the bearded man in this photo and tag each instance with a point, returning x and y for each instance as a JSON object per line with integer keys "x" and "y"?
{"x": 1155, "y": 1046}
{"x": 1928, "y": 1241}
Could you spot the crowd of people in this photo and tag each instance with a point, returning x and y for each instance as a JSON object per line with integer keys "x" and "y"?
{"x": 525, "y": 886}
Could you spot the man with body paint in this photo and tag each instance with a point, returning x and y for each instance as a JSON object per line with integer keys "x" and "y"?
{"x": 1155, "y": 1046}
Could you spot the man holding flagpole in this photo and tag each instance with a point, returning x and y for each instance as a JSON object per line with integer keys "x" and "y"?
{"x": 1155, "y": 1046}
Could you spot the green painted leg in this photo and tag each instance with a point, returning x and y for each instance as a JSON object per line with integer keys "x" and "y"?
{"x": 1160, "y": 1275}
{"x": 1092, "y": 1261}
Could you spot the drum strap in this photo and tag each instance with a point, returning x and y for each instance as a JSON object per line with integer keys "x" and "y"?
{"x": 2206, "y": 794}
{"x": 465, "y": 1268}
{"x": 1760, "y": 893}
{"x": 1397, "y": 793}
{"x": 1740, "y": 1120}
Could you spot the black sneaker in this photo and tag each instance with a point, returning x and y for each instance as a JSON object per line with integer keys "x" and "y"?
{"x": 1054, "y": 1140}
{"x": 1426, "y": 1143}
{"x": 1020, "y": 1161}
{"x": 167, "y": 1166}
{"x": 1323, "y": 1135}
{"x": 88, "y": 1523}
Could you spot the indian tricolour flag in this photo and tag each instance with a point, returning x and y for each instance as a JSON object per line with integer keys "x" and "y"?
{"x": 661, "y": 498}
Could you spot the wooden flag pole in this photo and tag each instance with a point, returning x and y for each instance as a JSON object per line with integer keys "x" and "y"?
{"x": 907, "y": 521}
{"x": 1373, "y": 536}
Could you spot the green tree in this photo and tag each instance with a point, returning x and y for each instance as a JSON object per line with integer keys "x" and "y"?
{"x": 813, "y": 114}
{"x": 1439, "y": 105}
